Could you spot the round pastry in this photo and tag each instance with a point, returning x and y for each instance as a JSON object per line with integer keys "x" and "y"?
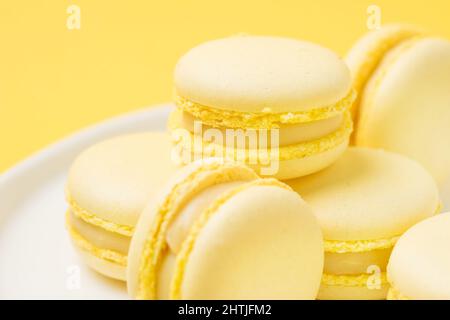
{"x": 280, "y": 105}
{"x": 403, "y": 81}
{"x": 220, "y": 232}
{"x": 364, "y": 202}
{"x": 420, "y": 262}
{"x": 108, "y": 186}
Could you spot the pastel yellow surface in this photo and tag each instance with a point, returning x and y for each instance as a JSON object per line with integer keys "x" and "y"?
{"x": 54, "y": 81}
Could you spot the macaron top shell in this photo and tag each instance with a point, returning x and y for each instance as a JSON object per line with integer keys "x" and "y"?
{"x": 262, "y": 74}
{"x": 405, "y": 105}
{"x": 369, "y": 194}
{"x": 420, "y": 262}
{"x": 253, "y": 247}
{"x": 114, "y": 179}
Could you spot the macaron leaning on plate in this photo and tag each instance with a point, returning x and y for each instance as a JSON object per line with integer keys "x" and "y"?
{"x": 108, "y": 186}
{"x": 420, "y": 262}
{"x": 364, "y": 202}
{"x": 248, "y": 86}
{"x": 403, "y": 80}
{"x": 220, "y": 232}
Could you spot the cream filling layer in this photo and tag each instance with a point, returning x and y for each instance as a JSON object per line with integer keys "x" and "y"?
{"x": 101, "y": 253}
{"x": 356, "y": 263}
{"x": 288, "y": 133}
{"x": 189, "y": 144}
{"x": 99, "y": 237}
{"x": 267, "y": 118}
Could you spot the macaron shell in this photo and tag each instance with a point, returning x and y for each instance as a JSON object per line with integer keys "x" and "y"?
{"x": 299, "y": 167}
{"x": 369, "y": 194}
{"x": 366, "y": 54}
{"x": 104, "y": 267}
{"x": 405, "y": 106}
{"x": 420, "y": 262}
{"x": 256, "y": 73}
{"x": 113, "y": 180}
{"x": 247, "y": 251}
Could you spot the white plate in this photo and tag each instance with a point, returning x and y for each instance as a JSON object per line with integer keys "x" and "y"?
{"x": 36, "y": 257}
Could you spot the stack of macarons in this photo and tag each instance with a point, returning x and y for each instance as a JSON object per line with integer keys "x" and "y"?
{"x": 343, "y": 222}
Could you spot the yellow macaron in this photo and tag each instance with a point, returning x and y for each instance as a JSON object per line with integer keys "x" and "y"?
{"x": 218, "y": 231}
{"x": 251, "y": 85}
{"x": 108, "y": 186}
{"x": 420, "y": 262}
{"x": 364, "y": 202}
{"x": 403, "y": 79}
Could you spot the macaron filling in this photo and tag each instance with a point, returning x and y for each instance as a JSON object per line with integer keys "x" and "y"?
{"x": 354, "y": 263}
{"x": 188, "y": 143}
{"x": 267, "y": 119}
{"x": 288, "y": 133}
{"x": 99, "y": 237}
{"x": 84, "y": 244}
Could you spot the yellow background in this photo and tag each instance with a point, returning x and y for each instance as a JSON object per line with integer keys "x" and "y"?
{"x": 54, "y": 81}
